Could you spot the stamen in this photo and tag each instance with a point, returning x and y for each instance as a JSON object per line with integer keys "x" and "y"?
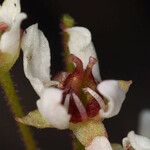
{"x": 80, "y": 106}
{"x": 96, "y": 96}
{"x": 67, "y": 101}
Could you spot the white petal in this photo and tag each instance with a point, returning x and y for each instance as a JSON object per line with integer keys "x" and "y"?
{"x": 80, "y": 45}
{"x": 36, "y": 57}
{"x": 9, "y": 10}
{"x": 99, "y": 143}
{"x": 10, "y": 40}
{"x": 144, "y": 123}
{"x": 10, "y": 15}
{"x": 51, "y": 108}
{"x": 114, "y": 91}
{"x": 136, "y": 141}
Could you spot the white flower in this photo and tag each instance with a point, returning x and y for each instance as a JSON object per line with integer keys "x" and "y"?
{"x": 10, "y": 20}
{"x": 75, "y": 100}
{"x": 99, "y": 143}
{"x": 136, "y": 142}
{"x": 37, "y": 69}
{"x": 80, "y": 45}
{"x": 60, "y": 101}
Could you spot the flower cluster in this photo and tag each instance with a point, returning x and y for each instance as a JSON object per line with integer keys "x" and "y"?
{"x": 78, "y": 99}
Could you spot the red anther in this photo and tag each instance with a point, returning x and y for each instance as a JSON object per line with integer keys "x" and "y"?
{"x": 3, "y": 26}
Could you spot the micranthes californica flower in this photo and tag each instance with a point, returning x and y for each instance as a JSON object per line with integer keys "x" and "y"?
{"x": 77, "y": 100}
{"x": 10, "y": 33}
{"x": 136, "y": 142}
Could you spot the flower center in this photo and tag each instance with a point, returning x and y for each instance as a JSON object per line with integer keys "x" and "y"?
{"x": 80, "y": 95}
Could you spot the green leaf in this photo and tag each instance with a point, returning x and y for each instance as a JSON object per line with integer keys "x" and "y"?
{"x": 35, "y": 119}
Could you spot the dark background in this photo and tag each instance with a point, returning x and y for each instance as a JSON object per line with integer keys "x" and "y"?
{"x": 121, "y": 34}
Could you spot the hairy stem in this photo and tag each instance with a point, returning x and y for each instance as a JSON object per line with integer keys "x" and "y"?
{"x": 15, "y": 106}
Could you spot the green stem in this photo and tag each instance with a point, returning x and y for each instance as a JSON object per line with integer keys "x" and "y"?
{"x": 15, "y": 106}
{"x": 67, "y": 22}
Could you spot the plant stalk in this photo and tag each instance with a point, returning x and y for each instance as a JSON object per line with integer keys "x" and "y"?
{"x": 15, "y": 106}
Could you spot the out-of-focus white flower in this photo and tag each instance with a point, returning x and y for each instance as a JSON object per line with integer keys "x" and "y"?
{"x": 144, "y": 123}
{"x": 136, "y": 142}
{"x": 80, "y": 44}
{"x": 99, "y": 143}
{"x": 10, "y": 33}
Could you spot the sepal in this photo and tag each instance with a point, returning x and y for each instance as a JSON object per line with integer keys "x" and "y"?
{"x": 35, "y": 119}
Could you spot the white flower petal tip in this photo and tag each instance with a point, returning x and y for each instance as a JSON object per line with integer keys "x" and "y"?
{"x": 10, "y": 13}
{"x": 124, "y": 85}
{"x": 11, "y": 37}
{"x": 115, "y": 92}
{"x": 36, "y": 57}
{"x": 99, "y": 143}
{"x": 13, "y": 6}
{"x": 51, "y": 108}
{"x": 80, "y": 45}
{"x": 144, "y": 123}
{"x": 9, "y": 10}
{"x": 20, "y": 17}
{"x": 136, "y": 142}
{"x": 10, "y": 20}
{"x": 79, "y": 38}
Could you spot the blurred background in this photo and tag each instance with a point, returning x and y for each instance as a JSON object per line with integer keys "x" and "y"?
{"x": 121, "y": 35}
